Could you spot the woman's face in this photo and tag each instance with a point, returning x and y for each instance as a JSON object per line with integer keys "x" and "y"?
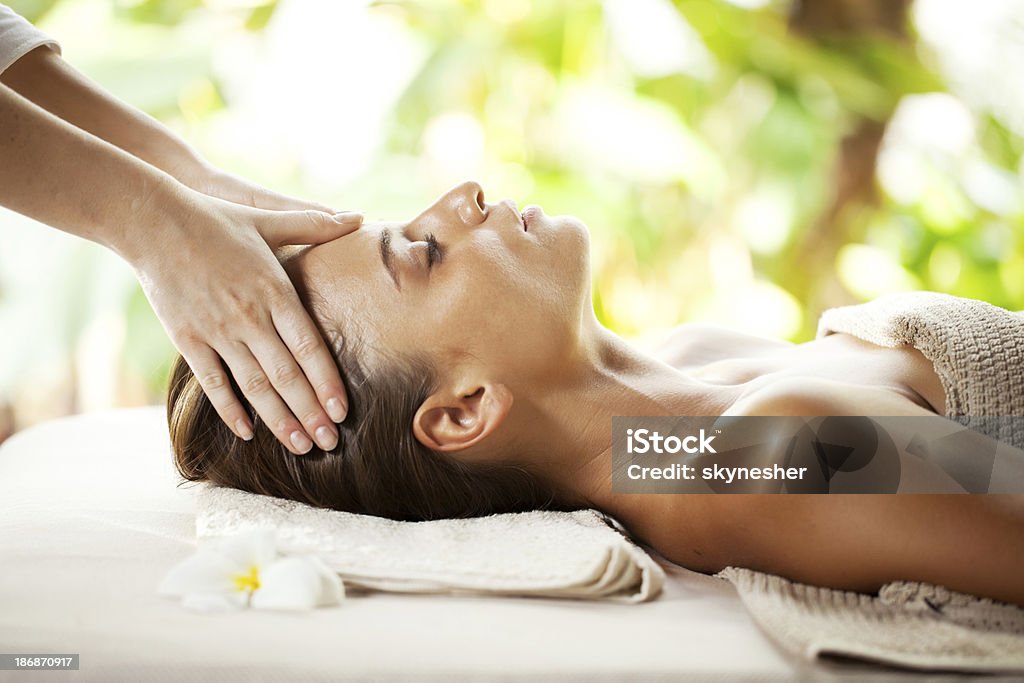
{"x": 465, "y": 283}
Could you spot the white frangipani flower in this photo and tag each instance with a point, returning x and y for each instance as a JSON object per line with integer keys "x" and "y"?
{"x": 245, "y": 570}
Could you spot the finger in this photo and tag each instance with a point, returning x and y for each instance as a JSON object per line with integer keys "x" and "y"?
{"x": 263, "y": 396}
{"x": 273, "y": 201}
{"x": 213, "y": 378}
{"x": 293, "y": 387}
{"x": 307, "y": 346}
{"x": 232, "y": 188}
{"x": 305, "y": 227}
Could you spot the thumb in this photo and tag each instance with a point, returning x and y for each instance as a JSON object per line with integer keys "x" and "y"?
{"x": 306, "y": 227}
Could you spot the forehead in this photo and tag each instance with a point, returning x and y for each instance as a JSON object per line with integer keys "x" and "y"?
{"x": 347, "y": 252}
{"x": 345, "y": 277}
{"x": 353, "y": 256}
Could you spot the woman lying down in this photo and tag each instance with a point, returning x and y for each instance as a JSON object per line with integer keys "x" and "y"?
{"x": 481, "y": 382}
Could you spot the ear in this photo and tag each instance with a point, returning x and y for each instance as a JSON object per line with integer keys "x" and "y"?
{"x": 450, "y": 422}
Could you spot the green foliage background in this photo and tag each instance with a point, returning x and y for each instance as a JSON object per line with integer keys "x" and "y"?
{"x": 771, "y": 137}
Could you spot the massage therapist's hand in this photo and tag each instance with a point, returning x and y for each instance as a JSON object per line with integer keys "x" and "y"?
{"x": 202, "y": 177}
{"x": 222, "y": 295}
{"x": 80, "y": 160}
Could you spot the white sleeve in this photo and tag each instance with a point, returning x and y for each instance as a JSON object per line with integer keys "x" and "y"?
{"x": 18, "y": 38}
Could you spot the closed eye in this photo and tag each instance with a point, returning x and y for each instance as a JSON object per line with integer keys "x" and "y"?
{"x": 434, "y": 252}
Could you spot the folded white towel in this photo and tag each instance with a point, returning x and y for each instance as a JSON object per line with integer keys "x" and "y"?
{"x": 545, "y": 554}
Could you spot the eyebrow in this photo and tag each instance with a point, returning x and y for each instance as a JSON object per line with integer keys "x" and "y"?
{"x": 387, "y": 257}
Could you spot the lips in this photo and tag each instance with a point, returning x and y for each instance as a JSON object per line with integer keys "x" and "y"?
{"x": 529, "y": 215}
{"x": 522, "y": 218}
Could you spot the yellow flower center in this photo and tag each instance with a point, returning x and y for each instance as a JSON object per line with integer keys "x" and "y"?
{"x": 247, "y": 582}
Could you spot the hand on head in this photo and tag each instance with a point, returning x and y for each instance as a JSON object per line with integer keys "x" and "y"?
{"x": 228, "y": 306}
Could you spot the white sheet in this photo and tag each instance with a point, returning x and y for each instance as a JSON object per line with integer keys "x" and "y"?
{"x": 90, "y": 520}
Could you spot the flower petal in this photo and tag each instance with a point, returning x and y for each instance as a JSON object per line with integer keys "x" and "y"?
{"x": 332, "y": 589}
{"x": 253, "y": 548}
{"x": 204, "y": 572}
{"x": 296, "y": 583}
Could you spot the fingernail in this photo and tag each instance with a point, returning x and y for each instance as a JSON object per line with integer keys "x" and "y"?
{"x": 326, "y": 437}
{"x": 336, "y": 410}
{"x": 243, "y": 429}
{"x": 349, "y": 217}
{"x": 301, "y": 442}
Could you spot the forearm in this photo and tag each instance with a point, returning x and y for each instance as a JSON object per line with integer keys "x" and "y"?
{"x": 43, "y": 77}
{"x": 46, "y": 79}
{"x": 73, "y": 181}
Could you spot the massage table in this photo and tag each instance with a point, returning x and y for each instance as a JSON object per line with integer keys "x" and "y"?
{"x": 92, "y": 517}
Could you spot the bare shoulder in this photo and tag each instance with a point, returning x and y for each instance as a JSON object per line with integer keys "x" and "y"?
{"x": 810, "y": 396}
{"x": 695, "y": 344}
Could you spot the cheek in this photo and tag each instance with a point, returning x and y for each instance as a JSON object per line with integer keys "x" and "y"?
{"x": 523, "y": 319}
{"x": 515, "y": 309}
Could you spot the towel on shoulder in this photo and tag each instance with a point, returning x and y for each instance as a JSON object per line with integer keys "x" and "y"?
{"x": 977, "y": 350}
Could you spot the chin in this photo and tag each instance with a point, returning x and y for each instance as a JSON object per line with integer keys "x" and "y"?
{"x": 576, "y": 261}
{"x": 574, "y": 236}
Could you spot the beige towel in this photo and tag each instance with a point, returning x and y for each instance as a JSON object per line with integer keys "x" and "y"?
{"x": 908, "y": 624}
{"x": 542, "y": 554}
{"x": 978, "y": 353}
{"x": 977, "y": 350}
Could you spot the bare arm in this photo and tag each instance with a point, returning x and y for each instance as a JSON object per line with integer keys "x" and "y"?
{"x": 46, "y": 79}
{"x": 968, "y": 543}
{"x": 75, "y": 182}
{"x": 206, "y": 265}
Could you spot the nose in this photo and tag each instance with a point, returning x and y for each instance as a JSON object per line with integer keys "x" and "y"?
{"x": 466, "y": 202}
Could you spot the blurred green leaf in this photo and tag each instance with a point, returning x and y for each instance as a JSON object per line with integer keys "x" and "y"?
{"x": 260, "y": 16}
{"x": 163, "y": 12}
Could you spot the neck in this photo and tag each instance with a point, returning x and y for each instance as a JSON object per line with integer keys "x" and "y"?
{"x": 567, "y": 426}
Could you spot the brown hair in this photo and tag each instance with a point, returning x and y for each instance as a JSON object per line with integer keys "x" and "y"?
{"x": 378, "y": 468}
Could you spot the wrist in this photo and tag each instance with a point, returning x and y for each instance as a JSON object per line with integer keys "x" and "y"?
{"x": 161, "y": 206}
{"x": 185, "y": 165}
